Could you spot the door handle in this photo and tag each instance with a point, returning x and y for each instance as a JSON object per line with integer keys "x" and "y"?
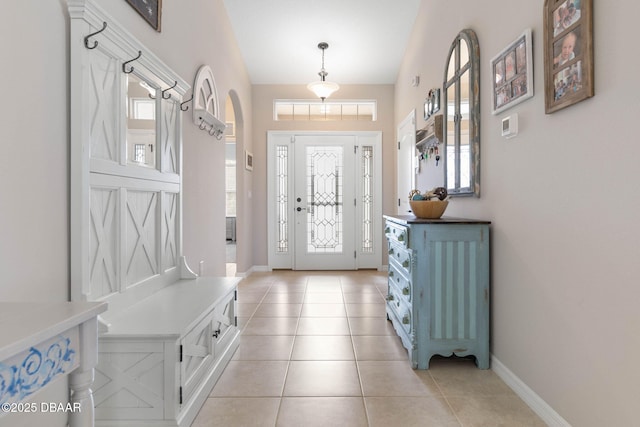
{"x": 301, "y": 209}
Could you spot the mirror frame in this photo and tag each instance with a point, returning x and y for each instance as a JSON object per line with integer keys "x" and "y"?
{"x": 469, "y": 36}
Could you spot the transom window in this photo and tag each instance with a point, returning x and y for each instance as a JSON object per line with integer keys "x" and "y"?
{"x": 312, "y": 110}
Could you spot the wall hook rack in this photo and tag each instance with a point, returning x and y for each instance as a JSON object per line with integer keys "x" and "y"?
{"x": 95, "y": 43}
{"x": 169, "y": 88}
{"x": 183, "y": 106}
{"x": 124, "y": 64}
{"x": 205, "y": 103}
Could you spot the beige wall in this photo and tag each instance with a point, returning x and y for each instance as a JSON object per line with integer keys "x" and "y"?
{"x": 563, "y": 199}
{"x": 34, "y": 165}
{"x": 263, "y": 97}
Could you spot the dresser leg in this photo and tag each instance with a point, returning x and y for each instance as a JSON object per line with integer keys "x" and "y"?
{"x": 482, "y": 362}
{"x": 81, "y": 380}
{"x": 82, "y": 413}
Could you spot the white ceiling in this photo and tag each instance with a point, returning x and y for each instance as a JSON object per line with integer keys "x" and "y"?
{"x": 279, "y": 38}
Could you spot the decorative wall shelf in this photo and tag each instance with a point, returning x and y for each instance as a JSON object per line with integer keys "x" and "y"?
{"x": 431, "y": 135}
{"x": 205, "y": 103}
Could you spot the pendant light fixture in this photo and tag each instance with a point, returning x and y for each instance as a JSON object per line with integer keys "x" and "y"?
{"x": 323, "y": 88}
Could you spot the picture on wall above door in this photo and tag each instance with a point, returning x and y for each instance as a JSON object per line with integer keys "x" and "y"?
{"x": 248, "y": 160}
{"x": 432, "y": 103}
{"x": 512, "y": 71}
{"x": 150, "y": 10}
{"x": 568, "y": 53}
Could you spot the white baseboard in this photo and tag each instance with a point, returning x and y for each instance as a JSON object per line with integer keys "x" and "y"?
{"x": 254, "y": 269}
{"x": 535, "y": 402}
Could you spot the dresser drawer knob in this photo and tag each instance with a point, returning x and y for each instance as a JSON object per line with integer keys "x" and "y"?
{"x": 391, "y": 273}
{"x": 406, "y": 291}
{"x": 390, "y": 298}
{"x": 216, "y": 333}
{"x": 401, "y": 237}
{"x": 405, "y": 319}
{"x": 391, "y": 251}
{"x": 405, "y": 263}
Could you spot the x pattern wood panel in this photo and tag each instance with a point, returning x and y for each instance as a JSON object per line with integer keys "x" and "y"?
{"x": 103, "y": 242}
{"x": 170, "y": 251}
{"x": 130, "y": 380}
{"x": 142, "y": 261}
{"x": 196, "y": 348}
{"x": 223, "y": 318}
{"x": 103, "y": 98}
{"x": 169, "y": 143}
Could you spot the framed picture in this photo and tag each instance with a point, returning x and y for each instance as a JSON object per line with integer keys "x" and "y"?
{"x": 512, "y": 69}
{"x": 568, "y": 53}
{"x": 432, "y": 103}
{"x": 150, "y": 10}
{"x": 248, "y": 160}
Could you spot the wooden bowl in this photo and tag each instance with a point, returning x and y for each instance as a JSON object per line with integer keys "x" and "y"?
{"x": 428, "y": 209}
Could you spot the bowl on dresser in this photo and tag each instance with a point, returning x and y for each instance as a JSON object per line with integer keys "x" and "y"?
{"x": 428, "y": 209}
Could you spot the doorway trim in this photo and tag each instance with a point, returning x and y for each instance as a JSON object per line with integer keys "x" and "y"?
{"x": 280, "y": 226}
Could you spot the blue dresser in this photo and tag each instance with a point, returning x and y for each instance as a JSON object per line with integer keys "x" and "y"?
{"x": 438, "y": 298}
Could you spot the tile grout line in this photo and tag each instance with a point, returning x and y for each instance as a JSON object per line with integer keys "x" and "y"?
{"x": 355, "y": 357}
{"x": 295, "y": 336}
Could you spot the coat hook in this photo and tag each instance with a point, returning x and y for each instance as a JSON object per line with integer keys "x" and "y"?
{"x": 169, "y": 88}
{"x": 95, "y": 43}
{"x": 124, "y": 64}
{"x": 184, "y": 107}
{"x": 202, "y": 123}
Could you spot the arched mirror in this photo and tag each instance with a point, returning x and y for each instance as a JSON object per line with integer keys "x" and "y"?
{"x": 462, "y": 112}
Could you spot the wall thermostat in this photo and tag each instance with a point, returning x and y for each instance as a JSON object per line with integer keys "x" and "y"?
{"x": 510, "y": 126}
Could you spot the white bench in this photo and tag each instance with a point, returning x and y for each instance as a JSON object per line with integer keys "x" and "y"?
{"x": 162, "y": 355}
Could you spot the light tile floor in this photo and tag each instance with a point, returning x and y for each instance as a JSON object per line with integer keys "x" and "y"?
{"x": 316, "y": 350}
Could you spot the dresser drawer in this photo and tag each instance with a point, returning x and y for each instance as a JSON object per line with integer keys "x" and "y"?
{"x": 397, "y": 233}
{"x": 402, "y": 285}
{"x": 402, "y": 312}
{"x": 401, "y": 258}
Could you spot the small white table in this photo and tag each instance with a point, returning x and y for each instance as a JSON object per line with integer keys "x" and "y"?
{"x": 41, "y": 342}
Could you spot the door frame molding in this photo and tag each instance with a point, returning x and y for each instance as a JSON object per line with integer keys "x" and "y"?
{"x": 286, "y": 260}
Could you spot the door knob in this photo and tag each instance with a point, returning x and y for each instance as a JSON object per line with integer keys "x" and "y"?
{"x": 299, "y": 199}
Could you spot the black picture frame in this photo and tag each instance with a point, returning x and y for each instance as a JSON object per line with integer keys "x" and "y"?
{"x": 150, "y": 10}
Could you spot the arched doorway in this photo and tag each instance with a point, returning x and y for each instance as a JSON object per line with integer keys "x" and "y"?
{"x": 230, "y": 185}
{"x": 236, "y": 186}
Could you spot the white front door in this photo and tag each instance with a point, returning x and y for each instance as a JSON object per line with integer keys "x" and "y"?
{"x": 324, "y": 202}
{"x": 324, "y": 193}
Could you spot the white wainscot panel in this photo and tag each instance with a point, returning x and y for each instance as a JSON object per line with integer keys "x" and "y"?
{"x": 102, "y": 99}
{"x": 104, "y": 241}
{"x": 141, "y": 253}
{"x": 169, "y": 224}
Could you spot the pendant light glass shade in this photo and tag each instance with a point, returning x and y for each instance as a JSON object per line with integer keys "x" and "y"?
{"x": 323, "y": 88}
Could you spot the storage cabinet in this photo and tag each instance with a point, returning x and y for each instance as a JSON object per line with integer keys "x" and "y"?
{"x": 438, "y": 297}
{"x": 162, "y": 356}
